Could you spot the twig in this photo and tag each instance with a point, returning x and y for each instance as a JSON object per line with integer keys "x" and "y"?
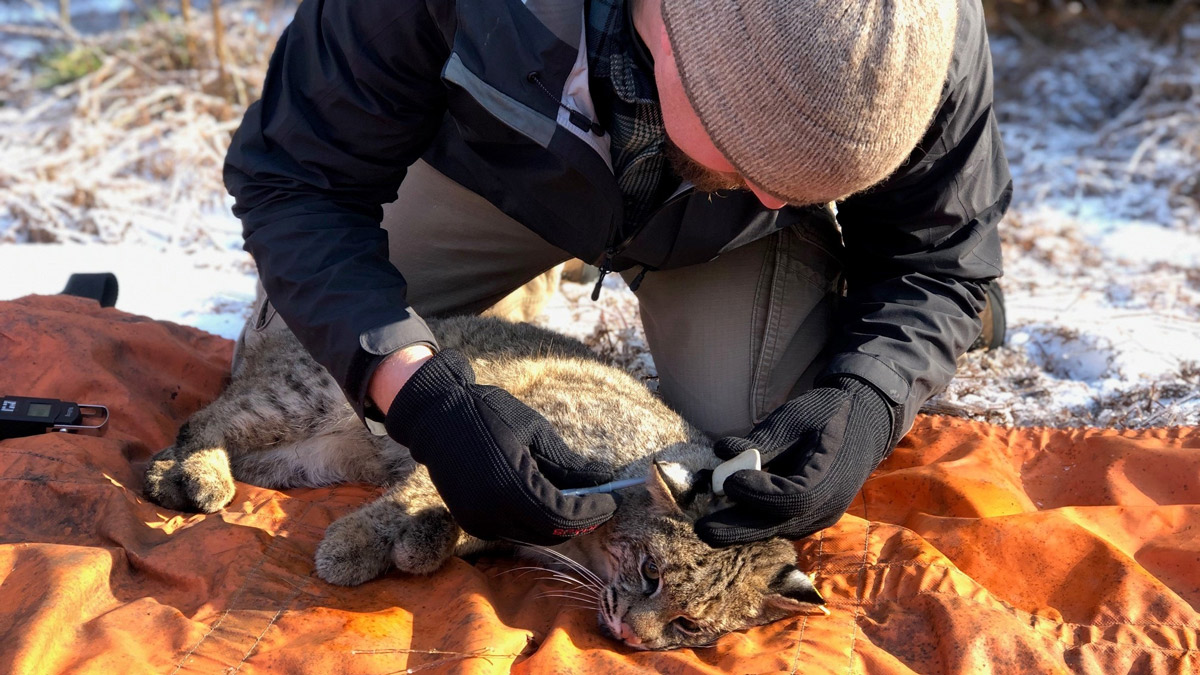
{"x": 63, "y": 26}
{"x": 219, "y": 47}
{"x": 486, "y": 654}
{"x": 1175, "y": 406}
{"x": 32, "y": 31}
{"x": 1022, "y": 34}
{"x": 185, "y": 11}
{"x": 1173, "y": 19}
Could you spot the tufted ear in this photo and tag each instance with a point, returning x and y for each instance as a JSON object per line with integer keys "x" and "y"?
{"x": 668, "y": 485}
{"x": 791, "y": 592}
{"x": 679, "y": 491}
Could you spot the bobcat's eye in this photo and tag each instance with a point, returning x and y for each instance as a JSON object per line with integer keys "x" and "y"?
{"x": 651, "y": 577}
{"x": 650, "y": 569}
{"x": 685, "y": 625}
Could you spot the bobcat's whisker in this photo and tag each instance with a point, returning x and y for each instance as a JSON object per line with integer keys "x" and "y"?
{"x": 521, "y": 572}
{"x": 567, "y": 594}
{"x": 583, "y": 592}
{"x": 581, "y": 589}
{"x": 591, "y": 608}
{"x": 568, "y": 562}
{"x": 575, "y": 584}
{"x": 580, "y": 583}
{"x": 558, "y": 575}
{"x": 568, "y": 591}
{"x": 554, "y": 575}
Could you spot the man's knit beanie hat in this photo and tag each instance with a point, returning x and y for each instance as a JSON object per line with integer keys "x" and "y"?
{"x": 813, "y": 100}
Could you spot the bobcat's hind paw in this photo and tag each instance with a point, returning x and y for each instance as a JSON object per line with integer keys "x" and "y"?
{"x": 200, "y": 482}
{"x": 353, "y": 551}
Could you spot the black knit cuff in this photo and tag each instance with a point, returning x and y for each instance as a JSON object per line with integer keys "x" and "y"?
{"x": 882, "y": 417}
{"x": 447, "y": 372}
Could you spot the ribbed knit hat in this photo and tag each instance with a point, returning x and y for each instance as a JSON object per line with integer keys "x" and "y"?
{"x": 813, "y": 100}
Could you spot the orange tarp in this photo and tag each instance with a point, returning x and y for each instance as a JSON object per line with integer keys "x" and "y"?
{"x": 986, "y": 549}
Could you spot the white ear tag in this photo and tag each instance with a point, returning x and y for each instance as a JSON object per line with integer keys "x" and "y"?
{"x": 749, "y": 459}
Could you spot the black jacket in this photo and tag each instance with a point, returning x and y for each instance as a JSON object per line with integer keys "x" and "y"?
{"x": 357, "y": 90}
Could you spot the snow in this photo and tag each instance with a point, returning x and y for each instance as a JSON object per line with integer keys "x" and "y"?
{"x": 1102, "y": 242}
{"x": 200, "y": 289}
{"x": 610, "y": 325}
{"x": 21, "y": 12}
{"x": 1143, "y": 243}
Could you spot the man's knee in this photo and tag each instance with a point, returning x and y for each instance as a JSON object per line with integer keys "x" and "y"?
{"x": 736, "y": 337}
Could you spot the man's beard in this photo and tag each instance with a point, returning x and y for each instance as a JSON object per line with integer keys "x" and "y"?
{"x": 704, "y": 178}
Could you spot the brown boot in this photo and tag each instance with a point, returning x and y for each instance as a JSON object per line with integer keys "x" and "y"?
{"x": 994, "y": 321}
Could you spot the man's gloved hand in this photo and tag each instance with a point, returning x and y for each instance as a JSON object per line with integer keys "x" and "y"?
{"x": 818, "y": 450}
{"x": 492, "y": 457}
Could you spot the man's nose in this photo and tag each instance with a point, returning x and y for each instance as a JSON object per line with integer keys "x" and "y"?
{"x": 766, "y": 199}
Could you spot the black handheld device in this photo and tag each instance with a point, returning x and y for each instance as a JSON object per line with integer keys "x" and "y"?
{"x": 24, "y": 416}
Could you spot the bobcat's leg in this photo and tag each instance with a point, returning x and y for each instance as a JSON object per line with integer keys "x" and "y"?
{"x": 408, "y": 527}
{"x": 281, "y": 422}
{"x": 192, "y": 475}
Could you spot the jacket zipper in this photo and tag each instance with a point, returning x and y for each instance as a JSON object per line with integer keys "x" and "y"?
{"x": 586, "y": 123}
{"x": 606, "y": 266}
{"x": 613, "y": 250}
{"x": 577, "y": 118}
{"x": 605, "y": 269}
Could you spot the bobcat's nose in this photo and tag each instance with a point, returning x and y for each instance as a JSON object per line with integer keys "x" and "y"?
{"x": 628, "y": 636}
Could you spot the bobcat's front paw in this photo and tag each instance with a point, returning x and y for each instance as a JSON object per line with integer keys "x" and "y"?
{"x": 426, "y": 541}
{"x": 353, "y": 551}
{"x": 199, "y": 482}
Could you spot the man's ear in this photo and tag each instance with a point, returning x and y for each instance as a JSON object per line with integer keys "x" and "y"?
{"x": 791, "y": 592}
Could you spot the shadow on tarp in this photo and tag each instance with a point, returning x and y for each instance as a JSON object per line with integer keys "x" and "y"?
{"x": 1019, "y": 551}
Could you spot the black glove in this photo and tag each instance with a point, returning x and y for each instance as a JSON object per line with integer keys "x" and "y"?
{"x": 818, "y": 450}
{"x": 490, "y": 455}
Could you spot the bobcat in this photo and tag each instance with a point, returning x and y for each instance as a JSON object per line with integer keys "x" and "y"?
{"x": 283, "y": 422}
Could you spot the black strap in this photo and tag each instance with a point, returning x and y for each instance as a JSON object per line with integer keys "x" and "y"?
{"x": 99, "y": 286}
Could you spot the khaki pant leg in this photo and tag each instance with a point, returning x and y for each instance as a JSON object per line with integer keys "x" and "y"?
{"x": 736, "y": 337}
{"x": 458, "y": 253}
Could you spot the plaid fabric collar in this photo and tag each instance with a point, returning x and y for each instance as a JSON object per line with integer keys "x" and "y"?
{"x": 614, "y": 55}
{"x": 622, "y": 84}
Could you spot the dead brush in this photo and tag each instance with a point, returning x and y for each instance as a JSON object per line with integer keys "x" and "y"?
{"x": 121, "y": 136}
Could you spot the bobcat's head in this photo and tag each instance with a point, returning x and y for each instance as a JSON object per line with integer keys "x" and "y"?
{"x": 666, "y": 588}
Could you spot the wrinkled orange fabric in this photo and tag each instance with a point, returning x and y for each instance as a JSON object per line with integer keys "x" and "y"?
{"x": 986, "y": 549}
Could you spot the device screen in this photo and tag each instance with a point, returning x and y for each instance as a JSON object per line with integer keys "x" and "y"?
{"x": 39, "y": 410}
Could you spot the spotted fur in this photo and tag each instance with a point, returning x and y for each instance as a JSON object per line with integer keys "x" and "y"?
{"x": 282, "y": 422}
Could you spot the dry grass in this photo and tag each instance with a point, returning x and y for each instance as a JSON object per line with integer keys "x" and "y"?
{"x": 128, "y": 140}
{"x": 1135, "y": 122}
{"x": 1112, "y": 124}
{"x": 1007, "y": 386}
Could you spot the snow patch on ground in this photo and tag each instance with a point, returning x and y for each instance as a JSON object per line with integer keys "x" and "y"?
{"x": 1142, "y": 244}
{"x": 31, "y": 11}
{"x": 1102, "y": 242}
{"x": 207, "y": 289}
{"x": 611, "y": 325}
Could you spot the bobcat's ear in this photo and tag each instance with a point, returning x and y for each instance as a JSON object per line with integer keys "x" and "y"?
{"x": 668, "y": 485}
{"x": 791, "y": 592}
{"x": 676, "y": 490}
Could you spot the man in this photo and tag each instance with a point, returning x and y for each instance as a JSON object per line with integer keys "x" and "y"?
{"x": 692, "y": 146}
